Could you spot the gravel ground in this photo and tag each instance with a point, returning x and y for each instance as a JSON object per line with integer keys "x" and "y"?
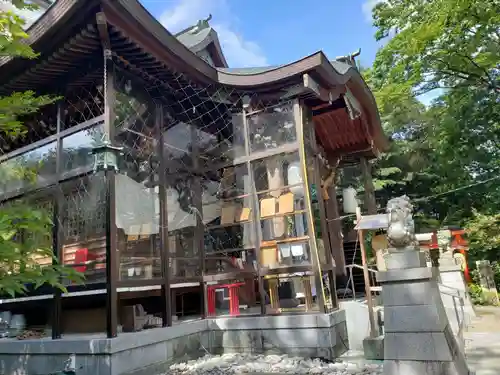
{"x": 234, "y": 364}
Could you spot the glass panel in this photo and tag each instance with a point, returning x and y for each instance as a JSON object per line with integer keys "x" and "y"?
{"x": 33, "y": 169}
{"x": 281, "y": 227}
{"x": 182, "y": 216}
{"x": 183, "y": 268}
{"x": 137, "y": 201}
{"x": 134, "y": 109}
{"x": 233, "y": 298}
{"x": 330, "y": 292}
{"x": 290, "y": 293}
{"x": 228, "y": 218}
{"x": 222, "y": 141}
{"x": 84, "y": 226}
{"x": 222, "y": 238}
{"x": 225, "y": 197}
{"x": 77, "y": 149}
{"x": 277, "y": 171}
{"x": 244, "y": 261}
{"x": 229, "y": 182}
{"x": 178, "y": 147}
{"x": 272, "y": 127}
{"x": 137, "y": 221}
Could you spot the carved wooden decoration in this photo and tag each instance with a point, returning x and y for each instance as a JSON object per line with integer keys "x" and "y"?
{"x": 330, "y": 179}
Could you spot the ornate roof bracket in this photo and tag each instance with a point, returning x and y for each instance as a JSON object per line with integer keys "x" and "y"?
{"x": 353, "y": 105}
{"x": 102, "y": 26}
{"x": 315, "y": 88}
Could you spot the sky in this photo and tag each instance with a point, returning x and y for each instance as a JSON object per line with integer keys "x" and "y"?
{"x": 272, "y": 32}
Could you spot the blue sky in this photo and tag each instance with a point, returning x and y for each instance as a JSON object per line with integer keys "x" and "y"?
{"x": 270, "y": 32}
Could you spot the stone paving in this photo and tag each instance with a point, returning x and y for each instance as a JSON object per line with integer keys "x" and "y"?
{"x": 482, "y": 342}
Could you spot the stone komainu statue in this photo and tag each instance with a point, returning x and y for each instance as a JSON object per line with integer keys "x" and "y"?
{"x": 401, "y": 231}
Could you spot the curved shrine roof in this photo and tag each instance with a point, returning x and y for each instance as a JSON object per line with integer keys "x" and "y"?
{"x": 131, "y": 17}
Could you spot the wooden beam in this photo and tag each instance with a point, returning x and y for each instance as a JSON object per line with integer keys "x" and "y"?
{"x": 112, "y": 254}
{"x": 58, "y": 232}
{"x": 166, "y": 294}
{"x": 369, "y": 197}
{"x": 300, "y": 129}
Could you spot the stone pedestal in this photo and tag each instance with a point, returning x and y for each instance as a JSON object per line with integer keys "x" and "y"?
{"x": 418, "y": 336}
{"x": 453, "y": 280}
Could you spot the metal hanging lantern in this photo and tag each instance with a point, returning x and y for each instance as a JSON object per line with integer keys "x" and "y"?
{"x": 106, "y": 157}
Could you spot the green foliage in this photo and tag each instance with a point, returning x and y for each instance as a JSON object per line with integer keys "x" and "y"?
{"x": 484, "y": 238}
{"x": 482, "y": 297}
{"x": 454, "y": 143}
{"x": 476, "y": 294}
{"x": 25, "y": 230}
{"x": 437, "y": 44}
{"x": 25, "y": 238}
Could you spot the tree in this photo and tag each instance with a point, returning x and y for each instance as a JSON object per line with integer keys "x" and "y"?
{"x": 437, "y": 44}
{"x": 484, "y": 237}
{"x": 25, "y": 229}
{"x": 442, "y": 153}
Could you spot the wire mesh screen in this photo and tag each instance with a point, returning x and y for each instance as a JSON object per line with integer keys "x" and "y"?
{"x": 233, "y": 177}
{"x": 233, "y": 180}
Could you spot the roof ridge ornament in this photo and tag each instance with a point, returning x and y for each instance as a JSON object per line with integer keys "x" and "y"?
{"x": 350, "y": 58}
{"x": 200, "y": 25}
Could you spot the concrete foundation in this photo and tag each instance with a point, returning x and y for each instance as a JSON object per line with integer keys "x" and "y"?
{"x": 314, "y": 335}
{"x": 373, "y": 348}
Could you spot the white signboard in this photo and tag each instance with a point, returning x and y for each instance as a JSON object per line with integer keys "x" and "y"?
{"x": 372, "y": 222}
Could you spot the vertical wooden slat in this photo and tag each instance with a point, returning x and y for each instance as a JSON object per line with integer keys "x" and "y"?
{"x": 57, "y": 230}
{"x": 325, "y": 232}
{"x": 112, "y": 255}
{"x": 166, "y": 308}
{"x": 369, "y": 197}
{"x": 199, "y": 232}
{"x": 335, "y": 231}
{"x": 255, "y": 215}
{"x": 299, "y": 123}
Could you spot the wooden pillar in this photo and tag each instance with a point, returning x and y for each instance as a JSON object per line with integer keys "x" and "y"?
{"x": 306, "y": 282}
{"x": 199, "y": 232}
{"x": 109, "y": 177}
{"x": 335, "y": 231}
{"x": 325, "y": 228}
{"x": 57, "y": 231}
{"x": 369, "y": 197}
{"x": 370, "y": 203}
{"x": 273, "y": 293}
{"x": 166, "y": 295}
{"x": 255, "y": 217}
{"x": 301, "y": 132}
